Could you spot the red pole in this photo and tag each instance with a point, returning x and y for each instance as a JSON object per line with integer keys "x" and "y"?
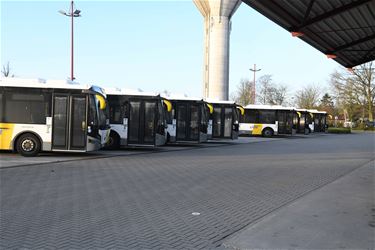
{"x": 254, "y": 87}
{"x": 72, "y": 46}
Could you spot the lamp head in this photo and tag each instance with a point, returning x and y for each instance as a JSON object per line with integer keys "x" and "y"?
{"x": 62, "y": 12}
{"x": 76, "y": 13}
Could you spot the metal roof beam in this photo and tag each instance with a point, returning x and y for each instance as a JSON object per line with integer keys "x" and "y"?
{"x": 369, "y": 54}
{"x": 354, "y": 43}
{"x": 330, "y": 14}
{"x": 307, "y": 13}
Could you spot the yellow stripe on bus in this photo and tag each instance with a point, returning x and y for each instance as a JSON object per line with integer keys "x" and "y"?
{"x": 257, "y": 129}
{"x": 6, "y": 135}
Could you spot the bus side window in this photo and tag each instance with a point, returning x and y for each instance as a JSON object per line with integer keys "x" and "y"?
{"x": 168, "y": 116}
{"x": 250, "y": 116}
{"x": 161, "y": 117}
{"x": 28, "y": 104}
{"x": 236, "y": 115}
{"x": 267, "y": 116}
{"x": 125, "y": 109}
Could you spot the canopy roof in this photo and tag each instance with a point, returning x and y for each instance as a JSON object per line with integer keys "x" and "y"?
{"x": 344, "y": 30}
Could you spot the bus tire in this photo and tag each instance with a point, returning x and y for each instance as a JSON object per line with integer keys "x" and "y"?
{"x": 267, "y": 132}
{"x": 168, "y": 137}
{"x": 28, "y": 145}
{"x": 113, "y": 141}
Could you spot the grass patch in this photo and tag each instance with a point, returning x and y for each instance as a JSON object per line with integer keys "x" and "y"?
{"x": 339, "y": 130}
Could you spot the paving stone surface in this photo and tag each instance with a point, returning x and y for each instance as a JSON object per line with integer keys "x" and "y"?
{"x": 146, "y": 201}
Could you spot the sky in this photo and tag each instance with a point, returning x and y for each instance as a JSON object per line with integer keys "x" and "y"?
{"x": 149, "y": 45}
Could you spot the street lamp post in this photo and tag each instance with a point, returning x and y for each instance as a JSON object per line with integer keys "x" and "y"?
{"x": 72, "y": 13}
{"x": 254, "y": 89}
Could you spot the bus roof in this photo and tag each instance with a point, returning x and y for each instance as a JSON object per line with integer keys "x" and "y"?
{"x": 215, "y": 101}
{"x": 179, "y": 97}
{"x": 315, "y": 111}
{"x": 272, "y": 107}
{"x": 122, "y": 91}
{"x": 42, "y": 83}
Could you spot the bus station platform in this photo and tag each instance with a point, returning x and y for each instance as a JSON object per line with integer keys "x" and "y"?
{"x": 286, "y": 193}
{"x": 340, "y": 215}
{"x": 9, "y": 159}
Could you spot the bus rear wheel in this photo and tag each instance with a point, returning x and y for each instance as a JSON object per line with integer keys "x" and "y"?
{"x": 113, "y": 141}
{"x": 267, "y": 132}
{"x": 28, "y": 145}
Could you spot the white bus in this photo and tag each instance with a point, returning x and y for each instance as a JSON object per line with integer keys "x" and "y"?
{"x": 268, "y": 120}
{"x": 39, "y": 115}
{"x": 188, "y": 120}
{"x": 319, "y": 120}
{"x": 305, "y": 123}
{"x": 224, "y": 119}
{"x": 137, "y": 118}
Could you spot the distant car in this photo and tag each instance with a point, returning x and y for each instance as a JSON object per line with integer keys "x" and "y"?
{"x": 348, "y": 124}
{"x": 369, "y": 124}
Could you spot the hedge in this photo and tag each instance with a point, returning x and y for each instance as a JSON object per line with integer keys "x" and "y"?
{"x": 339, "y": 130}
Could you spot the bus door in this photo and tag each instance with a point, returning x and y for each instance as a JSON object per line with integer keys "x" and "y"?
{"x": 302, "y": 123}
{"x": 194, "y": 128}
{"x": 316, "y": 120}
{"x": 188, "y": 119}
{"x": 141, "y": 122}
{"x": 223, "y": 122}
{"x": 228, "y": 122}
{"x": 69, "y": 128}
{"x": 282, "y": 118}
{"x": 217, "y": 122}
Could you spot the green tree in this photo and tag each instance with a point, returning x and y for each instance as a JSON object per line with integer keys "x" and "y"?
{"x": 327, "y": 104}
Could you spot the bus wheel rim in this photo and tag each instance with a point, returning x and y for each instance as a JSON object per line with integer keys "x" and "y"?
{"x": 27, "y": 145}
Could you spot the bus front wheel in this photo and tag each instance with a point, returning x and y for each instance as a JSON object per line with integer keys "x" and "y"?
{"x": 267, "y": 132}
{"x": 28, "y": 145}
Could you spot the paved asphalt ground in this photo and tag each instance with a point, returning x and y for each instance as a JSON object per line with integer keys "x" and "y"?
{"x": 146, "y": 201}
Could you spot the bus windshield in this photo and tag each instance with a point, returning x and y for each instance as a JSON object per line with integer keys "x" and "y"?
{"x": 103, "y": 111}
{"x": 103, "y": 117}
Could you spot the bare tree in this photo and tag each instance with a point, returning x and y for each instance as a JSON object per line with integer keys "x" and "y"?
{"x": 278, "y": 95}
{"x": 308, "y": 97}
{"x": 355, "y": 89}
{"x": 364, "y": 81}
{"x": 266, "y": 86}
{"x": 244, "y": 94}
{"x": 271, "y": 93}
{"x": 6, "y": 70}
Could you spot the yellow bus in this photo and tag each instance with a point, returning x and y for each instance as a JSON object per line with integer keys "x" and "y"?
{"x": 268, "y": 120}
{"x": 38, "y": 115}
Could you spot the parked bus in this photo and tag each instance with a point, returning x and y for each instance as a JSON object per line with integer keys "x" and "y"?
{"x": 268, "y": 120}
{"x": 319, "y": 122}
{"x": 188, "y": 120}
{"x": 209, "y": 113}
{"x": 305, "y": 123}
{"x": 225, "y": 119}
{"x": 39, "y": 115}
{"x": 137, "y": 118}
